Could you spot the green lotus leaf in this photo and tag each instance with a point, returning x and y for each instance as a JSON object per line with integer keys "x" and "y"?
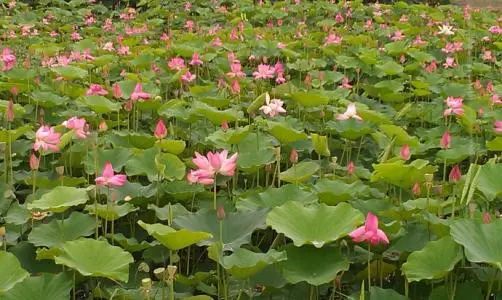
{"x": 129, "y": 244}
{"x": 390, "y": 68}
{"x": 332, "y": 192}
{"x": 43, "y": 287}
{"x": 434, "y": 261}
{"x": 401, "y": 174}
{"x": 482, "y": 242}
{"x": 385, "y": 294}
{"x": 70, "y": 72}
{"x": 96, "y": 258}
{"x": 174, "y": 239}
{"x": 47, "y": 99}
{"x": 455, "y": 155}
{"x": 320, "y": 144}
{"x": 111, "y": 212}
{"x": 127, "y": 139}
{"x": 10, "y": 272}
{"x": 60, "y": 199}
{"x": 99, "y": 104}
{"x": 316, "y": 266}
{"x": 300, "y": 172}
{"x": 118, "y": 157}
{"x": 217, "y": 117}
{"x": 222, "y": 139}
{"x": 17, "y": 214}
{"x": 9, "y": 136}
{"x": 251, "y": 162}
{"x": 273, "y": 197}
{"x": 314, "y": 225}
{"x": 310, "y": 99}
{"x": 489, "y": 180}
{"x": 237, "y": 226}
{"x": 172, "y": 146}
{"x": 170, "y": 166}
{"x": 181, "y": 189}
{"x": 350, "y": 129}
{"x": 495, "y": 144}
{"x": 244, "y": 263}
{"x": 400, "y": 135}
{"x": 56, "y": 232}
{"x": 284, "y": 133}
{"x": 143, "y": 163}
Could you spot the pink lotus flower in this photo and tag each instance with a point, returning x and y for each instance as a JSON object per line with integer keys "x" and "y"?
{"x": 453, "y": 47}
{"x": 431, "y": 67}
{"x": 96, "y": 90}
{"x": 497, "y": 126}
{"x": 109, "y": 178}
{"x": 345, "y": 83}
{"x": 293, "y": 156}
{"x": 272, "y": 107}
{"x": 351, "y": 168}
{"x": 116, "y": 91}
{"x": 108, "y": 46}
{"x": 454, "y": 106}
{"x": 264, "y": 72}
{"x": 176, "y": 64}
{"x": 369, "y": 232}
{"x": 455, "y": 174}
{"x": 449, "y": 63}
{"x": 487, "y": 56}
{"x": 418, "y": 42}
{"x": 196, "y": 61}
{"x": 350, "y": 113}
{"x": 75, "y": 36}
{"x": 235, "y": 87}
{"x": 416, "y": 189}
{"x": 211, "y": 165}
{"x": 445, "y": 141}
{"x": 79, "y": 126}
{"x": 139, "y": 94}
{"x": 46, "y": 138}
{"x": 160, "y": 131}
{"x": 188, "y": 77}
{"x": 405, "y": 152}
{"x": 398, "y": 36}
{"x": 333, "y": 39}
{"x": 8, "y": 59}
{"x": 236, "y": 70}
{"x": 34, "y": 162}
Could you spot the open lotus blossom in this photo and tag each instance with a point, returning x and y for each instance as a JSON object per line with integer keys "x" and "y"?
{"x": 109, "y": 179}
{"x": 78, "y": 125}
{"x": 272, "y": 107}
{"x": 139, "y": 94}
{"x": 160, "y": 131}
{"x": 454, "y": 106}
{"x": 96, "y": 90}
{"x": 176, "y": 63}
{"x": 196, "y": 61}
{"x": 446, "y": 29}
{"x": 445, "y": 141}
{"x": 188, "y": 77}
{"x": 211, "y": 165}
{"x": 236, "y": 70}
{"x": 350, "y": 113}
{"x": 46, "y": 138}
{"x": 345, "y": 83}
{"x": 8, "y": 59}
{"x": 398, "y": 36}
{"x": 497, "y": 126}
{"x": 454, "y": 47}
{"x": 332, "y": 39}
{"x": 369, "y": 232}
{"x": 264, "y": 72}
{"x": 449, "y": 63}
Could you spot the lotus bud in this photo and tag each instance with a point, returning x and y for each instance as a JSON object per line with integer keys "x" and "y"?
{"x": 351, "y": 168}
{"x": 158, "y": 98}
{"x": 405, "y": 152}
{"x": 487, "y": 218}
{"x": 160, "y": 273}
{"x": 171, "y": 272}
{"x": 9, "y": 112}
{"x": 60, "y": 170}
{"x": 445, "y": 141}
{"x": 293, "y": 156}
{"x": 117, "y": 91}
{"x": 160, "y": 131}
{"x": 220, "y": 213}
{"x": 102, "y": 126}
{"x": 455, "y": 174}
{"x": 224, "y": 125}
{"x": 416, "y": 189}
{"x": 34, "y": 162}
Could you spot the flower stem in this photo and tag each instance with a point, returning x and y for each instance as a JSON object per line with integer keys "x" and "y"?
{"x": 369, "y": 266}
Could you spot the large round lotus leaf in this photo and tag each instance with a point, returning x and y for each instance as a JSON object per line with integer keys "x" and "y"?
{"x": 169, "y": 211}
{"x": 111, "y": 212}
{"x": 129, "y": 244}
{"x": 350, "y": 129}
{"x": 99, "y": 104}
{"x": 172, "y": 239}
{"x": 60, "y": 199}
{"x": 313, "y": 265}
{"x": 399, "y": 134}
{"x": 143, "y": 163}
{"x": 385, "y": 294}
{"x": 284, "y": 133}
{"x": 482, "y": 242}
{"x": 214, "y": 115}
{"x": 118, "y": 157}
{"x": 332, "y": 192}
{"x": 455, "y": 155}
{"x": 315, "y": 225}
{"x": 44, "y": 287}
{"x": 170, "y": 166}
{"x": 225, "y": 138}
{"x": 70, "y": 72}
{"x": 310, "y": 99}
{"x": 489, "y": 180}
{"x": 252, "y": 161}
{"x": 17, "y": 214}
{"x": 244, "y": 263}
{"x": 96, "y": 258}
{"x": 181, "y": 189}
{"x": 175, "y": 147}
{"x": 434, "y": 261}
{"x": 320, "y": 144}
{"x": 401, "y": 174}
{"x": 299, "y": 172}
{"x": 56, "y": 232}
{"x": 273, "y": 197}
{"x": 237, "y": 226}
{"x": 10, "y": 271}
{"x": 390, "y": 68}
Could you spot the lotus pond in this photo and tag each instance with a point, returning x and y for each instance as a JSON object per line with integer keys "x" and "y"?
{"x": 238, "y": 150}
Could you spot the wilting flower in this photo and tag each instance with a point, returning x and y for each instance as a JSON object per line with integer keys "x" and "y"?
{"x": 79, "y": 126}
{"x": 188, "y": 77}
{"x": 211, "y": 165}
{"x": 369, "y": 232}
{"x": 46, "y": 138}
{"x": 160, "y": 131}
{"x": 293, "y": 156}
{"x": 264, "y": 72}
{"x": 8, "y": 59}
{"x": 446, "y": 30}
{"x": 445, "y": 141}
{"x": 139, "y": 94}
{"x": 96, "y": 90}
{"x": 455, "y": 174}
{"x": 176, "y": 63}
{"x": 454, "y": 106}
{"x": 109, "y": 178}
{"x": 272, "y": 107}
{"x": 405, "y": 152}
{"x": 350, "y": 113}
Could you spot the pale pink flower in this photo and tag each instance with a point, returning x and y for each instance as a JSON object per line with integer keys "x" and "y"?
{"x": 116, "y": 91}
{"x": 187, "y": 6}
{"x": 449, "y": 63}
{"x": 345, "y": 83}
{"x": 108, "y": 46}
{"x": 369, "y": 232}
{"x": 350, "y": 113}
{"x": 235, "y": 87}
{"x": 419, "y": 42}
{"x": 108, "y": 25}
{"x": 196, "y": 61}
{"x": 139, "y": 94}
{"x": 445, "y": 141}
{"x": 79, "y": 126}
{"x": 8, "y": 59}
{"x": 189, "y": 25}
{"x": 176, "y": 63}
{"x": 109, "y": 178}
{"x": 281, "y": 45}
{"x": 217, "y": 42}
{"x": 236, "y": 70}
{"x": 431, "y": 67}
{"x": 333, "y": 39}
{"x": 96, "y": 90}
{"x": 398, "y": 36}
{"x": 46, "y": 138}
{"x": 495, "y": 29}
{"x": 123, "y": 50}
{"x": 160, "y": 131}
{"x": 272, "y": 107}
{"x": 487, "y": 56}
{"x": 211, "y": 165}
{"x": 497, "y": 126}
{"x": 264, "y": 72}
{"x": 453, "y": 47}
{"x": 188, "y": 77}
{"x": 75, "y": 36}
{"x": 454, "y": 106}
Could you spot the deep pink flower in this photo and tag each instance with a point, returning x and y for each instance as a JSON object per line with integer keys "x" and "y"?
{"x": 8, "y": 59}
{"x": 497, "y": 126}
{"x": 79, "y": 126}
{"x": 264, "y": 72}
{"x": 272, "y": 107}
{"x": 139, "y": 94}
{"x": 211, "y": 165}
{"x": 405, "y": 152}
{"x": 160, "y": 131}
{"x": 109, "y": 178}
{"x": 34, "y": 162}
{"x": 369, "y": 232}
{"x": 454, "y": 106}
{"x": 188, "y": 77}
{"x": 46, "y": 138}
{"x": 351, "y": 168}
{"x": 455, "y": 174}
{"x": 196, "y": 61}
{"x": 96, "y": 90}
{"x": 445, "y": 141}
{"x": 350, "y": 113}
